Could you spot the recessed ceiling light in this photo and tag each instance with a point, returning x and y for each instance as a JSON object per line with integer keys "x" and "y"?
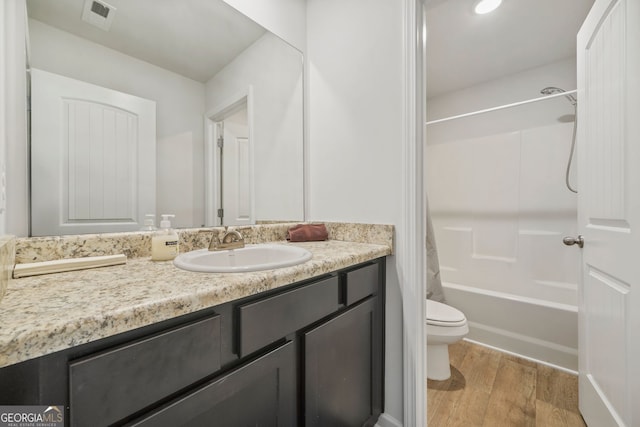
{"x": 485, "y": 6}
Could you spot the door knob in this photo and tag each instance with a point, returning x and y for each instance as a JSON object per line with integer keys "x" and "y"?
{"x": 570, "y": 241}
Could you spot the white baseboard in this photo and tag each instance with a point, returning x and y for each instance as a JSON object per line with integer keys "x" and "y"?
{"x": 539, "y": 351}
{"x": 531, "y": 359}
{"x": 387, "y": 420}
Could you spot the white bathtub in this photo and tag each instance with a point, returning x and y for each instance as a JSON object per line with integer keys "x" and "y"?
{"x": 540, "y": 330}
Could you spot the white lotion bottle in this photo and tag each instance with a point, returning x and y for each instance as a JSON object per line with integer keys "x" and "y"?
{"x": 164, "y": 243}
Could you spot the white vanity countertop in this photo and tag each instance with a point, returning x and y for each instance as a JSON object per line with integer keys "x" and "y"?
{"x": 44, "y": 314}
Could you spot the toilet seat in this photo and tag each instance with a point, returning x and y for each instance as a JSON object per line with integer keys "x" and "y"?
{"x": 439, "y": 314}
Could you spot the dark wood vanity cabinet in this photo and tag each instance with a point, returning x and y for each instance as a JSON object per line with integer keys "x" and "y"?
{"x": 307, "y": 354}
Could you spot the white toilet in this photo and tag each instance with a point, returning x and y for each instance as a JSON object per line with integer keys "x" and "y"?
{"x": 445, "y": 325}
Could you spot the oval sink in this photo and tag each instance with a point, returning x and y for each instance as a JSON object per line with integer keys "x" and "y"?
{"x": 249, "y": 258}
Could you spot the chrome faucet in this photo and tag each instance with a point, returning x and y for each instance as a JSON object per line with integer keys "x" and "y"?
{"x": 232, "y": 239}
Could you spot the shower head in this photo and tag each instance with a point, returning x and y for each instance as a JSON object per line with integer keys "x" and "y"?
{"x": 551, "y": 90}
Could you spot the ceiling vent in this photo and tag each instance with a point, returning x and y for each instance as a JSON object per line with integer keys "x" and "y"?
{"x": 98, "y": 14}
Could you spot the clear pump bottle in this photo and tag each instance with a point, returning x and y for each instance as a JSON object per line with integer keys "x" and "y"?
{"x": 149, "y": 223}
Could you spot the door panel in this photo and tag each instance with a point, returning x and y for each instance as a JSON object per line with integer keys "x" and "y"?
{"x": 92, "y": 157}
{"x": 101, "y": 153}
{"x": 609, "y": 212}
{"x": 605, "y": 300}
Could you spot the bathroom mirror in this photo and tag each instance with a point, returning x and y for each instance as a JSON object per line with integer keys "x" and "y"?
{"x": 202, "y": 72}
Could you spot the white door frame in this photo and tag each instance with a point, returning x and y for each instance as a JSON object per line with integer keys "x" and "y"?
{"x": 212, "y": 157}
{"x": 411, "y": 253}
{"x": 13, "y": 108}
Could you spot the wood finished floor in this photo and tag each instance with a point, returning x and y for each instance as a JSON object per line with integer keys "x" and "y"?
{"x": 492, "y": 389}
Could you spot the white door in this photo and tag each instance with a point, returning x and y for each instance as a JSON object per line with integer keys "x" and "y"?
{"x": 609, "y": 213}
{"x": 93, "y": 154}
{"x": 237, "y": 191}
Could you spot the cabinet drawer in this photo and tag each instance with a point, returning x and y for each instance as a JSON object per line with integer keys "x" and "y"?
{"x": 259, "y": 393}
{"x": 108, "y": 386}
{"x": 264, "y": 322}
{"x": 361, "y": 283}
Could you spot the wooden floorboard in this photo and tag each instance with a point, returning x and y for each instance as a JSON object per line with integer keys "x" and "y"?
{"x": 479, "y": 367}
{"x": 493, "y": 389}
{"x": 557, "y": 388}
{"x": 548, "y": 415}
{"x": 513, "y": 396}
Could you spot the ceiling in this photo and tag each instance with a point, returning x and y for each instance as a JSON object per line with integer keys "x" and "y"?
{"x": 194, "y": 38}
{"x": 464, "y": 49}
{"x": 197, "y": 38}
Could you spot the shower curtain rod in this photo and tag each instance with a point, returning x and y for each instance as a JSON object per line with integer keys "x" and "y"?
{"x": 502, "y": 107}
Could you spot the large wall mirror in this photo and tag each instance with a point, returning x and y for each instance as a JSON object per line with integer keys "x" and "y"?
{"x": 161, "y": 107}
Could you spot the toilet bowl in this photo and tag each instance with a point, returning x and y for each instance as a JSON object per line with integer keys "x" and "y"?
{"x": 445, "y": 325}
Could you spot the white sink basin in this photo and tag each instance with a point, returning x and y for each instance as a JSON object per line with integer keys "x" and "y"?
{"x": 249, "y": 258}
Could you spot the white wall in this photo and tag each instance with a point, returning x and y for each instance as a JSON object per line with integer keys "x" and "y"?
{"x": 275, "y": 72}
{"x": 355, "y": 80}
{"x": 284, "y": 18}
{"x": 180, "y": 105}
{"x": 13, "y": 135}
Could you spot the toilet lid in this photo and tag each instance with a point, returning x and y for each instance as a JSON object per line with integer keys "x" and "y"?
{"x": 444, "y": 315}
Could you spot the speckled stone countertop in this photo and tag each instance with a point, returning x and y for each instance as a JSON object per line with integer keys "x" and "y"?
{"x": 7, "y": 257}
{"x": 44, "y": 314}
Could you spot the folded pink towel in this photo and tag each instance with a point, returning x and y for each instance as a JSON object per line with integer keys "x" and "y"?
{"x": 307, "y": 233}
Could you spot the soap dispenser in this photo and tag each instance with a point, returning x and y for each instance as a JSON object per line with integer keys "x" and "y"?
{"x": 164, "y": 243}
{"x": 149, "y": 223}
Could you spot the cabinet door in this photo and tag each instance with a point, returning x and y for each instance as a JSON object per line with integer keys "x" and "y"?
{"x": 343, "y": 369}
{"x": 261, "y": 393}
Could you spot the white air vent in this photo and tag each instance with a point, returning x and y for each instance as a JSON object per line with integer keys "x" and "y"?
{"x": 98, "y": 13}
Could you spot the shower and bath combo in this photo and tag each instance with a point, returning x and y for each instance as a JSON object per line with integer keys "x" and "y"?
{"x": 551, "y": 90}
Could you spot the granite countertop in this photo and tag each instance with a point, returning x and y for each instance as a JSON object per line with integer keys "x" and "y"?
{"x": 44, "y": 314}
